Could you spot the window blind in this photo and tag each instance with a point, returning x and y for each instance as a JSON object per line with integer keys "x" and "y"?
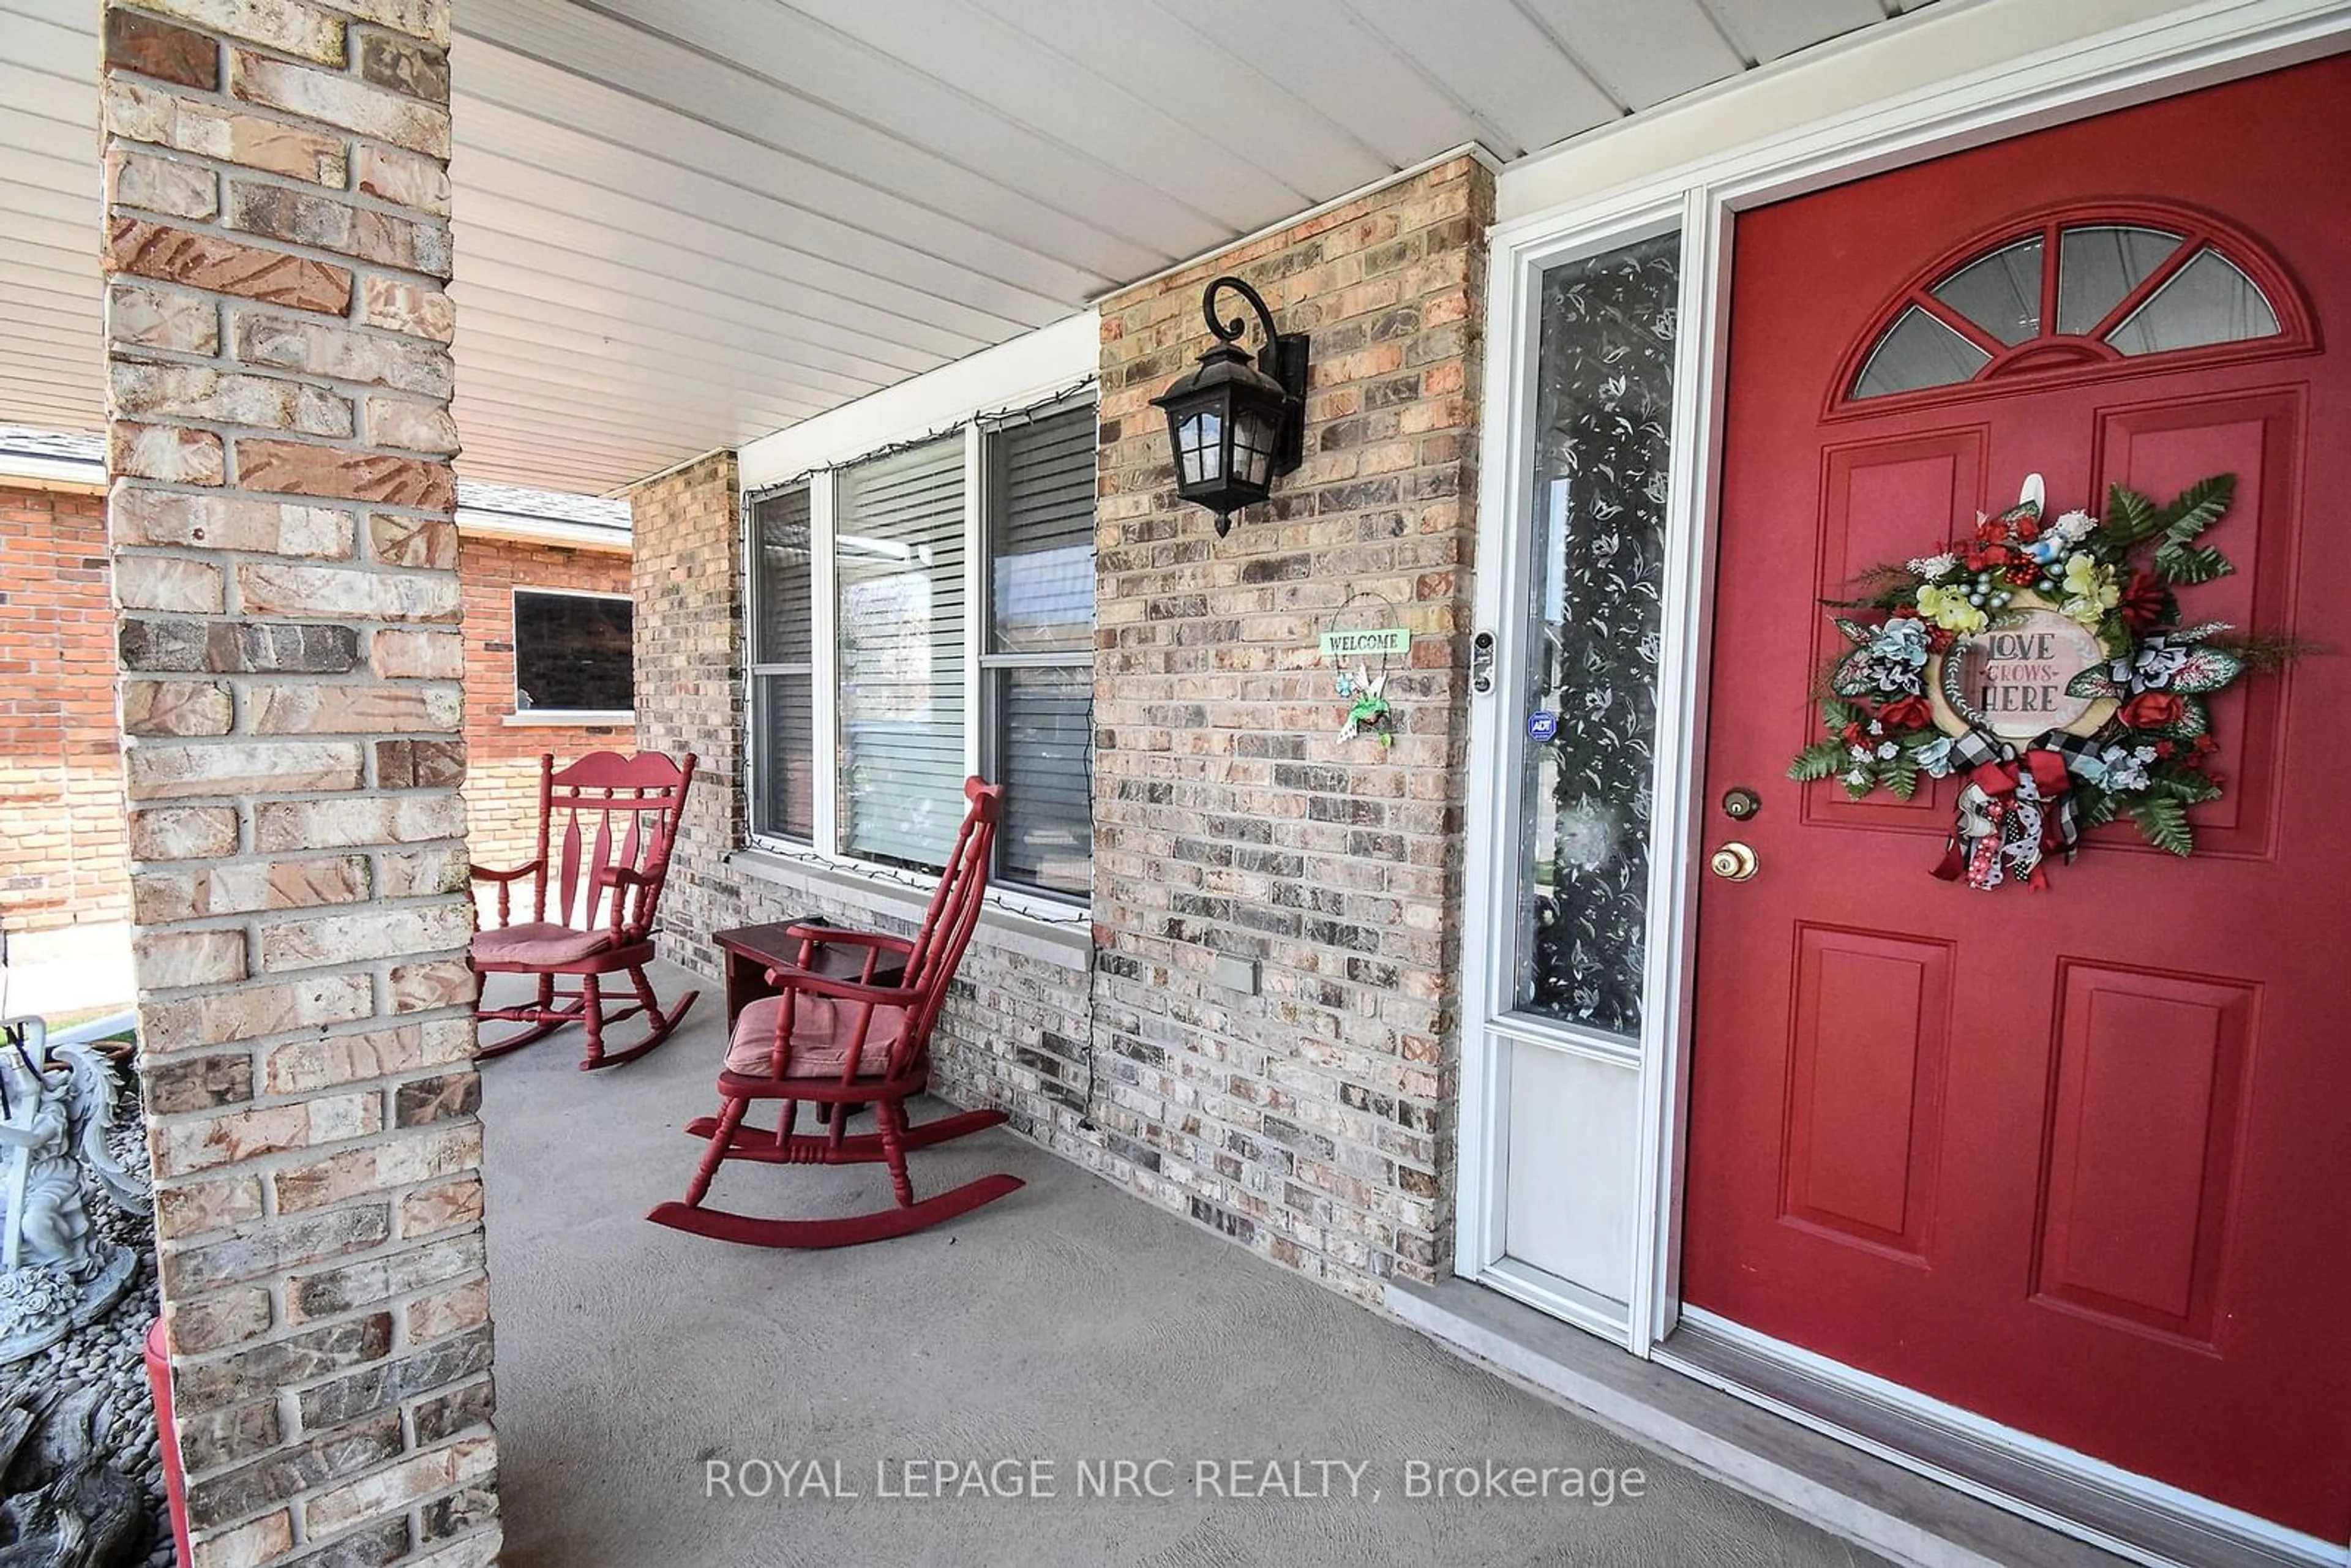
{"x": 783, "y": 696}
{"x": 1041, "y": 532}
{"x": 898, "y": 550}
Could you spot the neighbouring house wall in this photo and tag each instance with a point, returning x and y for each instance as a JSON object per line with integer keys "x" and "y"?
{"x": 60, "y": 757}
{"x": 60, "y": 761}
{"x": 1308, "y": 1120}
{"x": 275, "y": 251}
{"x": 502, "y": 771}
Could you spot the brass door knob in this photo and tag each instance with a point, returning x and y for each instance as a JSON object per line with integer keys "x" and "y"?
{"x": 1733, "y": 861}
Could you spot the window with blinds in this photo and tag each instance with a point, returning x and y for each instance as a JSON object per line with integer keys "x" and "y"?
{"x": 783, "y": 665}
{"x": 1038, "y": 662}
{"x": 898, "y": 562}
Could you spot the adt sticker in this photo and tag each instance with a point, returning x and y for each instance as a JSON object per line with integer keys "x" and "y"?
{"x": 1542, "y": 724}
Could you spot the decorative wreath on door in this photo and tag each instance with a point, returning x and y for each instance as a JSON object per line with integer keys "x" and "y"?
{"x": 2049, "y": 665}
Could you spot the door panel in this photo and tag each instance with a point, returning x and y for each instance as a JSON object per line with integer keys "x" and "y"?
{"x": 1875, "y": 494}
{"x": 1866, "y": 1085}
{"x": 2157, "y": 450}
{"x": 2076, "y": 1159}
{"x": 2144, "y": 1119}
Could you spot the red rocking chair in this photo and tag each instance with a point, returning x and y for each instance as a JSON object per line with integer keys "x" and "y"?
{"x": 839, "y": 1044}
{"x": 620, "y": 818}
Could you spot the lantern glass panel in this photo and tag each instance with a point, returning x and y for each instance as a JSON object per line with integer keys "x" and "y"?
{"x": 1255, "y": 438}
{"x": 1200, "y": 446}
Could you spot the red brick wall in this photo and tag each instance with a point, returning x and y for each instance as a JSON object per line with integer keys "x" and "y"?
{"x": 60, "y": 757}
{"x": 61, "y": 846}
{"x": 502, "y": 781}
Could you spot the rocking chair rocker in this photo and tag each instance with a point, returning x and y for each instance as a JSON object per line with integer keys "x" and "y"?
{"x": 607, "y": 889}
{"x": 838, "y": 1043}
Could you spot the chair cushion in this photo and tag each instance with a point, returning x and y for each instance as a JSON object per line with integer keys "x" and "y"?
{"x": 822, "y": 1030}
{"x": 535, "y": 943}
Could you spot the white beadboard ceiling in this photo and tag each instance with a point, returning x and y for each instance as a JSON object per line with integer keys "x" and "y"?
{"x": 684, "y": 224}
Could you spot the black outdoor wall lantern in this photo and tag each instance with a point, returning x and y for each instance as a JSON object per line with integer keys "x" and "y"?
{"x": 1235, "y": 423}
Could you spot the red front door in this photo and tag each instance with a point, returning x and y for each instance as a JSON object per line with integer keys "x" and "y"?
{"x": 2077, "y": 1160}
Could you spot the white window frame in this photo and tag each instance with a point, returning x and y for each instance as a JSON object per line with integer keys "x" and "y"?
{"x": 520, "y": 716}
{"x": 824, "y": 848}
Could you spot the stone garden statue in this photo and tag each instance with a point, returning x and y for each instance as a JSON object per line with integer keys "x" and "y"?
{"x": 55, "y": 1272}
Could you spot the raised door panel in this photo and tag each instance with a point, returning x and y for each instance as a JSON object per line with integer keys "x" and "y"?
{"x": 2145, "y": 1105}
{"x": 2161, "y": 449}
{"x": 1885, "y": 502}
{"x": 1864, "y": 1090}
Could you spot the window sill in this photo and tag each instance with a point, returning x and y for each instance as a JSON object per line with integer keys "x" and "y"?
{"x": 1067, "y": 945}
{"x": 570, "y": 719}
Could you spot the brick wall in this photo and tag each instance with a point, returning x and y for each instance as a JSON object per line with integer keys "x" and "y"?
{"x": 276, "y": 249}
{"x": 60, "y": 768}
{"x": 60, "y": 762}
{"x": 502, "y": 771}
{"x": 1309, "y": 1120}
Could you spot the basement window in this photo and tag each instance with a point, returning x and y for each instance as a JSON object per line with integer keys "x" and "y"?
{"x": 574, "y": 657}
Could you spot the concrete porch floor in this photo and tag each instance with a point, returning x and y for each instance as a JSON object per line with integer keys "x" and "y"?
{"x": 1068, "y": 1321}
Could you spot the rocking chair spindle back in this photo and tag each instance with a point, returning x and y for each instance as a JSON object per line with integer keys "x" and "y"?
{"x": 839, "y": 1044}
{"x": 595, "y": 889}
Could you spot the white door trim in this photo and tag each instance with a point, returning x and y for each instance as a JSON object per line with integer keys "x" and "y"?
{"x": 2202, "y": 44}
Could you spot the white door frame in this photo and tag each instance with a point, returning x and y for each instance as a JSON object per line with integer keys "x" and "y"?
{"x": 2204, "y": 44}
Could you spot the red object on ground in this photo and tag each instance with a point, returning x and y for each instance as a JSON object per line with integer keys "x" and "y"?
{"x": 839, "y": 1044}
{"x": 620, "y": 817}
{"x": 175, "y": 1484}
{"x": 2072, "y": 1160}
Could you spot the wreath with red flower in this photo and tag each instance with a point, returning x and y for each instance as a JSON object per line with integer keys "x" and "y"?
{"x": 2114, "y": 719}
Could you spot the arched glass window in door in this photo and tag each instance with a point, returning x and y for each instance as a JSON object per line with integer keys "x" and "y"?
{"x": 2079, "y": 291}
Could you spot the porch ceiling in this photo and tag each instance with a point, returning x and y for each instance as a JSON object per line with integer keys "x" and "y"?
{"x": 684, "y": 224}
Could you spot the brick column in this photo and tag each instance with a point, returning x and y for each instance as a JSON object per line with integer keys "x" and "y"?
{"x": 688, "y": 585}
{"x": 277, "y": 244}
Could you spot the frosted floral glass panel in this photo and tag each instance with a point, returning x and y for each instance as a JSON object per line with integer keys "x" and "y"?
{"x": 1603, "y": 396}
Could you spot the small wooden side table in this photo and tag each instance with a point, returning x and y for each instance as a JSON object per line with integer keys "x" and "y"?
{"x": 752, "y": 950}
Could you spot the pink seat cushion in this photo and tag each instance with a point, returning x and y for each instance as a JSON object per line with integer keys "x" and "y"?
{"x": 821, "y": 1032}
{"x": 535, "y": 943}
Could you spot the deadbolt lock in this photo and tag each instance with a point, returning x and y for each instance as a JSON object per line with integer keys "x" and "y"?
{"x": 1739, "y": 803}
{"x": 1733, "y": 861}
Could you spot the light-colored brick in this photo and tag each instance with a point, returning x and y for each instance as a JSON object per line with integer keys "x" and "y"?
{"x": 311, "y": 1002}
{"x": 139, "y": 317}
{"x": 397, "y": 1487}
{"x": 283, "y": 708}
{"x": 339, "y": 353}
{"x": 159, "y": 769}
{"x": 418, "y": 655}
{"x": 171, "y": 960}
{"x": 357, "y": 820}
{"x": 201, "y": 1142}
{"x": 266, "y": 588}
{"x": 170, "y": 453}
{"x": 379, "y": 933}
{"x": 411, "y": 427}
{"x": 168, "y": 186}
{"x": 284, "y": 25}
{"x": 225, "y": 397}
{"x": 142, "y": 516}
{"x": 339, "y": 101}
{"x": 183, "y": 832}
{"x": 168, "y": 582}
{"x": 400, "y": 307}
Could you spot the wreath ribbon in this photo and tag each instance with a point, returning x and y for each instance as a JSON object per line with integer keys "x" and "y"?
{"x": 2051, "y": 762}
